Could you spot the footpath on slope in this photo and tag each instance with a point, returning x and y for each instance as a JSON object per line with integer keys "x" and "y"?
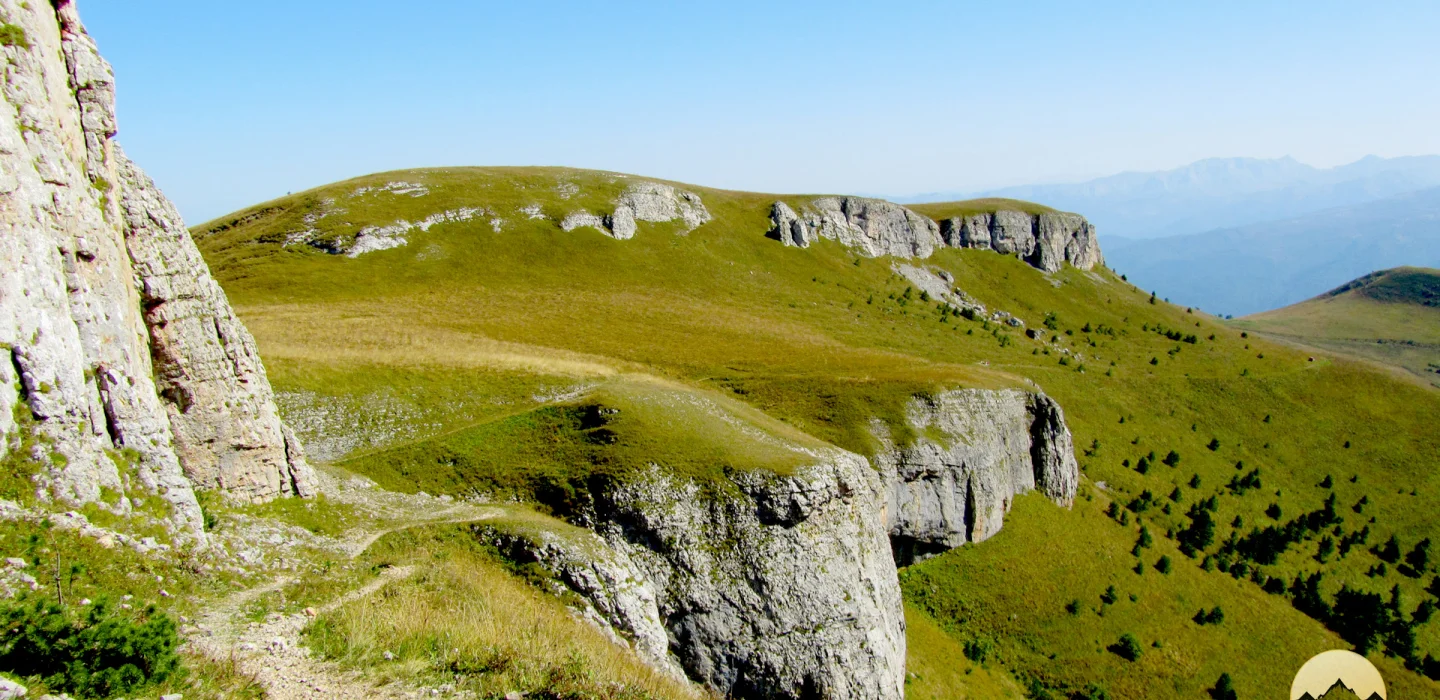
{"x": 270, "y": 650}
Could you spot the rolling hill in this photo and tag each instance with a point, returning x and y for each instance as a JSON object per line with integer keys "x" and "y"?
{"x": 518, "y": 332}
{"x": 1391, "y": 316}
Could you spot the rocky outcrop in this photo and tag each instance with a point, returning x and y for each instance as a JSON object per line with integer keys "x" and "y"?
{"x": 1045, "y": 241}
{"x": 875, "y": 227}
{"x": 765, "y": 585}
{"x": 119, "y": 349}
{"x": 872, "y": 226}
{"x": 645, "y": 201}
{"x": 975, "y": 452}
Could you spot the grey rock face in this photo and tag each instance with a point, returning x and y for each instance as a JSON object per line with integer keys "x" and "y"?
{"x": 999, "y": 444}
{"x": 784, "y": 586}
{"x": 875, "y": 227}
{"x": 1045, "y": 241}
{"x": 116, "y": 340}
{"x": 770, "y": 586}
{"x": 645, "y": 201}
{"x": 618, "y": 597}
{"x": 872, "y": 226}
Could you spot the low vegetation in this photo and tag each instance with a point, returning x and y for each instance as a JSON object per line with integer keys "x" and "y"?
{"x": 462, "y": 621}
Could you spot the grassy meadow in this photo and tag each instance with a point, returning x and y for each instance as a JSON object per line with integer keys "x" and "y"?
{"x": 504, "y": 338}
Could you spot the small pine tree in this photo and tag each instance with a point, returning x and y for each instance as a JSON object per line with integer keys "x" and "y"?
{"x": 1195, "y": 481}
{"x": 1419, "y": 557}
{"x": 1273, "y": 511}
{"x": 1172, "y": 458}
{"x": 1390, "y": 551}
{"x": 1109, "y": 596}
{"x": 1214, "y": 444}
{"x": 1224, "y": 689}
{"x": 1073, "y": 607}
{"x": 1327, "y": 483}
{"x": 1163, "y": 566}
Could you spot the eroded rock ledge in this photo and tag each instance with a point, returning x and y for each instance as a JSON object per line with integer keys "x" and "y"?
{"x": 644, "y": 201}
{"x": 116, "y": 345}
{"x": 976, "y": 451}
{"x": 876, "y": 227}
{"x": 764, "y": 585}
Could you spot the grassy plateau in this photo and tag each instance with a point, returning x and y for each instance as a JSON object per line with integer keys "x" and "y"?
{"x": 504, "y": 355}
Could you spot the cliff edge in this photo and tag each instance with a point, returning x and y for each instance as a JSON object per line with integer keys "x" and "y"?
{"x": 123, "y": 356}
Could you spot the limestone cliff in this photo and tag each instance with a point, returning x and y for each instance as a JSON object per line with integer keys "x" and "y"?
{"x": 769, "y": 585}
{"x": 976, "y": 451}
{"x": 875, "y": 227}
{"x": 121, "y": 351}
{"x": 1043, "y": 240}
{"x": 761, "y": 586}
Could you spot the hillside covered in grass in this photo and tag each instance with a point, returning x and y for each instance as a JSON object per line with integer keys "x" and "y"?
{"x": 1391, "y": 316}
{"x": 1238, "y": 500}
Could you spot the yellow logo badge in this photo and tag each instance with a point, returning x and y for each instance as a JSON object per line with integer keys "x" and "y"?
{"x": 1337, "y": 675}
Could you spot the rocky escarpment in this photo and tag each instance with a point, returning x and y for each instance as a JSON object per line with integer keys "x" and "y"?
{"x": 121, "y": 354}
{"x": 875, "y": 227}
{"x": 784, "y": 585}
{"x": 872, "y": 226}
{"x": 645, "y": 201}
{"x": 1044, "y": 240}
{"x": 976, "y": 451}
{"x": 763, "y": 585}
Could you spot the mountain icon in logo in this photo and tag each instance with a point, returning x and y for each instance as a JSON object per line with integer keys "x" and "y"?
{"x": 1340, "y": 691}
{"x": 1338, "y": 675}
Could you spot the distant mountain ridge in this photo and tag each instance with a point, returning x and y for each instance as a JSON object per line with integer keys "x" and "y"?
{"x": 1247, "y": 269}
{"x": 1220, "y": 193}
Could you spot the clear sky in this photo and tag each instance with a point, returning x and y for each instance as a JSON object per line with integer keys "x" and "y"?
{"x": 230, "y": 103}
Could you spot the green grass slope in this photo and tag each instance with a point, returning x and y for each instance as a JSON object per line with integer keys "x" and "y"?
{"x": 493, "y": 346}
{"x": 1391, "y": 316}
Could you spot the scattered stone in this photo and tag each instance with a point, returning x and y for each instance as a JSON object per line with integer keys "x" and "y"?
{"x": 15, "y": 562}
{"x": 388, "y": 656}
{"x": 9, "y": 690}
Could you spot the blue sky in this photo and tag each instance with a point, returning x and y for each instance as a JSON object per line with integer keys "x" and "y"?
{"x": 228, "y": 103}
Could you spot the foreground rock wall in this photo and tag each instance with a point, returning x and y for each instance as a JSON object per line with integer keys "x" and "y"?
{"x": 119, "y": 349}
{"x": 759, "y": 586}
{"x": 875, "y": 227}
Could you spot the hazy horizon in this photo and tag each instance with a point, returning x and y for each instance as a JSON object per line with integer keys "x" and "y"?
{"x": 242, "y": 104}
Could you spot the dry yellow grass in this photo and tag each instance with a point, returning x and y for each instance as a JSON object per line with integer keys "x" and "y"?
{"x": 464, "y": 620}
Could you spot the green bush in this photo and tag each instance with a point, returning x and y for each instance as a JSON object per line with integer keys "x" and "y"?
{"x": 101, "y": 653}
{"x": 1127, "y": 648}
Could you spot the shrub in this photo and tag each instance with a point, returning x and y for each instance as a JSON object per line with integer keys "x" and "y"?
{"x": 101, "y": 653}
{"x": 1109, "y": 596}
{"x": 1214, "y": 444}
{"x": 1073, "y": 607}
{"x": 1128, "y": 647}
{"x": 979, "y": 650}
